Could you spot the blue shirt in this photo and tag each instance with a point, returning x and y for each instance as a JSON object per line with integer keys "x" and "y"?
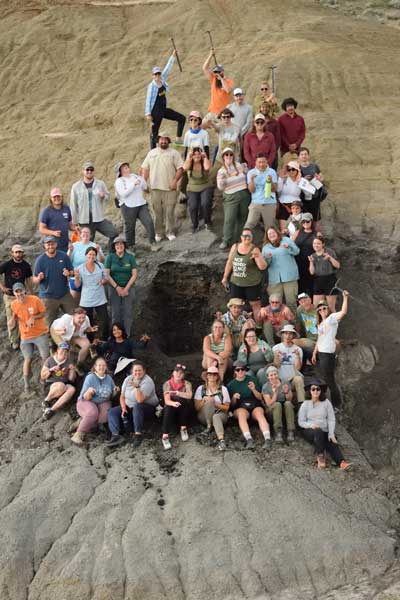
{"x": 78, "y": 256}
{"x": 258, "y": 196}
{"x": 152, "y": 88}
{"x": 282, "y": 266}
{"x": 104, "y": 388}
{"x": 93, "y": 293}
{"x": 54, "y": 284}
{"x": 58, "y": 219}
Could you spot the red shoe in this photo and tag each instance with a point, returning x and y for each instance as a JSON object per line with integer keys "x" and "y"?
{"x": 345, "y": 466}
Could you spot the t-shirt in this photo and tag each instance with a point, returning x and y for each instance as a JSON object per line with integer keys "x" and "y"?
{"x": 308, "y": 322}
{"x": 120, "y": 267}
{"x": 163, "y": 165}
{"x": 310, "y": 171}
{"x": 130, "y": 189}
{"x": 322, "y": 265}
{"x": 267, "y": 389}
{"x": 327, "y": 331}
{"x": 89, "y": 187}
{"x": 104, "y": 388}
{"x": 200, "y": 139}
{"x": 23, "y": 311}
{"x": 146, "y": 385}
{"x": 258, "y": 196}
{"x": 54, "y": 284}
{"x": 161, "y": 99}
{"x": 93, "y": 293}
{"x": 219, "y": 97}
{"x": 78, "y": 256}
{"x": 66, "y": 322}
{"x": 228, "y": 137}
{"x": 247, "y": 399}
{"x": 58, "y": 219}
{"x": 288, "y": 356}
{"x": 61, "y": 374}
{"x": 15, "y": 272}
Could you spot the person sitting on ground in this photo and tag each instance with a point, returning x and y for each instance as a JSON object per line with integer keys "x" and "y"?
{"x": 15, "y": 270}
{"x": 324, "y": 354}
{"x": 243, "y": 273}
{"x": 293, "y": 224}
{"x": 73, "y": 330}
{"x": 266, "y": 96}
{"x": 279, "y": 253}
{"x": 138, "y": 402}
{"x": 262, "y": 184}
{"x": 217, "y": 348}
{"x": 51, "y": 272}
{"x": 94, "y": 400}
{"x": 323, "y": 266}
{"x": 256, "y": 354}
{"x": 58, "y": 374}
{"x": 292, "y": 126}
{"x": 288, "y": 359}
{"x": 242, "y": 112}
{"x": 88, "y": 198}
{"x": 118, "y": 345}
{"x": 246, "y": 399}
{"x": 212, "y": 403}
{"x": 198, "y": 189}
{"x": 272, "y": 125}
{"x": 306, "y": 324}
{"x": 304, "y": 240}
{"x": 121, "y": 272}
{"x": 30, "y": 313}
{"x": 177, "y": 405}
{"x": 56, "y": 220}
{"x": 311, "y": 171}
{"x": 234, "y": 319}
{"x": 156, "y": 103}
{"x": 76, "y": 252}
{"x": 273, "y": 317}
{"x": 221, "y": 86}
{"x": 289, "y": 190}
{"x": 317, "y": 421}
{"x": 278, "y": 398}
{"x": 196, "y": 136}
{"x": 163, "y": 168}
{"x": 259, "y": 141}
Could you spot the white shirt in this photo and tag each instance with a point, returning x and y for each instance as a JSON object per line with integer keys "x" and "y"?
{"x": 196, "y": 140}
{"x": 327, "y": 331}
{"x": 288, "y": 358}
{"x": 130, "y": 189}
{"x": 66, "y": 322}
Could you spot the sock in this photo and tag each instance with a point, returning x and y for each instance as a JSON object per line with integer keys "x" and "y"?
{"x": 26, "y": 380}
{"x": 267, "y": 435}
{"x": 247, "y": 435}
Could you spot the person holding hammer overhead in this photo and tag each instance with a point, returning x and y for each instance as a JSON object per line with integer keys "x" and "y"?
{"x": 221, "y": 88}
{"x": 156, "y": 103}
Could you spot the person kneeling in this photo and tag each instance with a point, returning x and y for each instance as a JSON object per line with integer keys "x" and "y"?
{"x": 58, "y": 373}
{"x": 177, "y": 398}
{"x": 138, "y": 400}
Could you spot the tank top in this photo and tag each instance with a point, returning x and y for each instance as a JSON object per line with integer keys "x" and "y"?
{"x": 197, "y": 181}
{"x": 245, "y": 272}
{"x": 217, "y": 348}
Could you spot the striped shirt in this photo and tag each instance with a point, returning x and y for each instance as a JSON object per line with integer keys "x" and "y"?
{"x": 230, "y": 182}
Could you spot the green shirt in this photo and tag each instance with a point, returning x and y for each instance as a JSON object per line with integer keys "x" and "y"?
{"x": 247, "y": 398}
{"x": 120, "y": 268}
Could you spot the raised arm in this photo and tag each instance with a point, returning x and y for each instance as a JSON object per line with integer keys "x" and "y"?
{"x": 343, "y": 312}
{"x": 206, "y": 66}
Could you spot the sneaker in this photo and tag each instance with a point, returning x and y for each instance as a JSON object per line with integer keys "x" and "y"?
{"x": 321, "y": 463}
{"x": 154, "y": 247}
{"x": 267, "y": 445}
{"x": 15, "y": 346}
{"x": 221, "y": 445}
{"x": 115, "y": 440}
{"x": 278, "y": 437}
{"x": 48, "y": 413}
{"x": 158, "y": 238}
{"x": 178, "y": 143}
{"x": 206, "y": 432}
{"x": 223, "y": 246}
{"x": 166, "y": 443}
{"x": 184, "y": 435}
{"x": 137, "y": 440}
{"x": 290, "y": 436}
{"x": 46, "y": 404}
{"x": 249, "y": 444}
{"x": 171, "y": 237}
{"x": 78, "y": 438}
{"x": 345, "y": 466}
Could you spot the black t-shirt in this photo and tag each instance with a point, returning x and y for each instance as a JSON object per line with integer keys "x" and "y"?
{"x": 15, "y": 272}
{"x": 161, "y": 99}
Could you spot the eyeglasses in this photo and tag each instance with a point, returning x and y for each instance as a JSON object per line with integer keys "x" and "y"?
{"x": 238, "y": 369}
{"x": 291, "y": 170}
{"x": 89, "y": 169}
{"x": 315, "y": 388}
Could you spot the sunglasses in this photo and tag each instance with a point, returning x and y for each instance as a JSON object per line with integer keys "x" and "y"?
{"x": 212, "y": 374}
{"x": 178, "y": 366}
{"x": 291, "y": 170}
{"x": 226, "y": 117}
{"x": 18, "y": 251}
{"x": 228, "y": 154}
{"x": 264, "y": 89}
{"x": 323, "y": 308}
{"x": 239, "y": 369}
{"x": 259, "y": 122}
{"x": 89, "y": 169}
{"x": 315, "y": 388}
{"x": 247, "y": 235}
{"x": 194, "y": 119}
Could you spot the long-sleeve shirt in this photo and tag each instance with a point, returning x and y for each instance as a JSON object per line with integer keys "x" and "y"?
{"x": 282, "y": 266}
{"x": 233, "y": 183}
{"x": 130, "y": 189}
{"x": 243, "y": 116}
{"x": 104, "y": 388}
{"x": 293, "y": 131}
{"x": 320, "y": 413}
{"x": 253, "y": 146}
{"x": 273, "y": 127}
{"x": 152, "y": 88}
{"x": 79, "y": 203}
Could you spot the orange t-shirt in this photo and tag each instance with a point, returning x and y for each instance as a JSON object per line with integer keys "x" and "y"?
{"x": 32, "y": 306}
{"x": 219, "y": 97}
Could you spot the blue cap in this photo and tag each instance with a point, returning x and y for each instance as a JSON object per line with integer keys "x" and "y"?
{"x": 64, "y": 346}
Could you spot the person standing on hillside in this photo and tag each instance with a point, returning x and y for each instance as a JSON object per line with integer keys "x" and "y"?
{"x": 88, "y": 198}
{"x": 242, "y": 113}
{"x": 266, "y": 95}
{"x": 56, "y": 220}
{"x": 15, "y": 270}
{"x": 156, "y": 103}
{"x": 163, "y": 167}
{"x": 292, "y": 127}
{"x": 221, "y": 88}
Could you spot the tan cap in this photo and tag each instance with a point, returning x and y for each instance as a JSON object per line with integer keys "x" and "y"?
{"x": 17, "y": 247}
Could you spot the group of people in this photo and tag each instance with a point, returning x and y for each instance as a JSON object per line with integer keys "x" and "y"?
{"x": 256, "y": 357}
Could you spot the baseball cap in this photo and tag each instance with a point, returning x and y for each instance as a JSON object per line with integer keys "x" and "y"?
{"x": 17, "y": 247}
{"x": 55, "y": 191}
{"x": 302, "y": 296}
{"x": 18, "y": 286}
{"x": 49, "y": 238}
{"x": 237, "y": 91}
{"x": 64, "y": 346}
{"x": 156, "y": 70}
{"x": 88, "y": 165}
{"x": 259, "y": 116}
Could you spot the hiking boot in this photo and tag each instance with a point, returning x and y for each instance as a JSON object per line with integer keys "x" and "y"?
{"x": 166, "y": 443}
{"x": 290, "y": 436}
{"x": 267, "y": 445}
{"x": 171, "y": 237}
{"x": 221, "y": 445}
{"x": 158, "y": 238}
{"x": 115, "y": 440}
{"x": 184, "y": 435}
{"x": 137, "y": 440}
{"x": 249, "y": 444}
{"x": 46, "y": 404}
{"x": 78, "y": 438}
{"x": 345, "y": 466}
{"x": 278, "y": 437}
{"x": 206, "y": 432}
{"x": 48, "y": 413}
{"x": 321, "y": 463}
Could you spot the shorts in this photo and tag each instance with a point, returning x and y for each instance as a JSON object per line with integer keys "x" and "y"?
{"x": 251, "y": 293}
{"x": 251, "y": 405}
{"x": 42, "y": 344}
{"x": 281, "y": 212}
{"x": 323, "y": 284}
{"x": 72, "y": 285}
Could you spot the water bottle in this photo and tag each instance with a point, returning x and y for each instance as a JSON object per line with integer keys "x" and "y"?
{"x": 268, "y": 187}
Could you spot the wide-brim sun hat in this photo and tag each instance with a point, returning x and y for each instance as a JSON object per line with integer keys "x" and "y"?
{"x": 289, "y": 329}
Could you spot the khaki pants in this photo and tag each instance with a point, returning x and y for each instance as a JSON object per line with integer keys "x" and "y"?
{"x": 13, "y": 332}
{"x": 298, "y": 382}
{"x": 266, "y": 212}
{"x": 163, "y": 204}
{"x": 288, "y": 291}
{"x": 276, "y": 411}
{"x": 53, "y": 305}
{"x": 208, "y": 416}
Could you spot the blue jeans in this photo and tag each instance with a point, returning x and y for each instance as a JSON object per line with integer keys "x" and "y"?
{"x": 136, "y": 415}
